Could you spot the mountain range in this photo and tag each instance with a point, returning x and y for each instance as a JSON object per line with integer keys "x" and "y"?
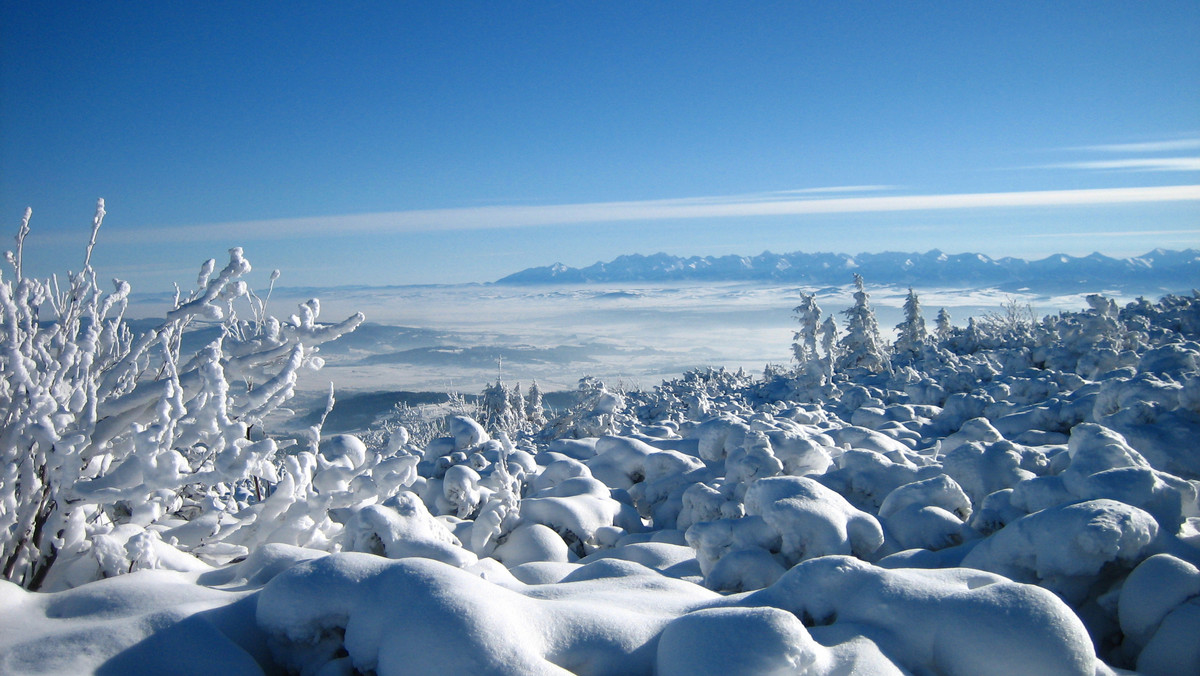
{"x": 1174, "y": 270}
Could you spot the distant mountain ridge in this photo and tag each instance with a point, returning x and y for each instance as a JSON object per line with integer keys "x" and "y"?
{"x": 1172, "y": 269}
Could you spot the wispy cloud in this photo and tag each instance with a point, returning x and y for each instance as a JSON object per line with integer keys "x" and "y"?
{"x": 1148, "y": 156}
{"x": 1170, "y": 146}
{"x": 1124, "y": 233}
{"x": 777, "y": 195}
{"x": 835, "y": 189}
{"x": 1133, "y": 164}
{"x": 753, "y": 205}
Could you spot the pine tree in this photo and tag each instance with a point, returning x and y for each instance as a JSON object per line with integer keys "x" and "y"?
{"x": 829, "y": 343}
{"x": 516, "y": 402}
{"x": 804, "y": 345}
{"x": 944, "y": 327}
{"x": 535, "y": 411}
{"x": 911, "y": 333}
{"x": 862, "y": 346}
{"x": 496, "y": 409}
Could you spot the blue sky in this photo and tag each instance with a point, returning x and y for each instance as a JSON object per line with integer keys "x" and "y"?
{"x": 399, "y": 143}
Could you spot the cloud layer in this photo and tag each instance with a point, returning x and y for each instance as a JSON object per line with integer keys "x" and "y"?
{"x": 790, "y": 203}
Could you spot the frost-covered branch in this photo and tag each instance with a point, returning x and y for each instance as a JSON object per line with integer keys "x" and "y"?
{"x": 103, "y": 429}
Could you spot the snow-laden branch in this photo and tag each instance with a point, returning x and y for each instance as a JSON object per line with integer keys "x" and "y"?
{"x": 103, "y": 428}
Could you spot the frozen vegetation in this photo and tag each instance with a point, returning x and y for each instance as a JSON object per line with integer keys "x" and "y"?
{"x": 1013, "y": 496}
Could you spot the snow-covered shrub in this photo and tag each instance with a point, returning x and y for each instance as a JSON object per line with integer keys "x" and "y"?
{"x": 953, "y": 621}
{"x": 812, "y": 520}
{"x": 108, "y": 435}
{"x": 927, "y": 514}
{"x": 600, "y": 411}
{"x": 1065, "y": 547}
{"x": 403, "y": 527}
{"x": 422, "y": 423}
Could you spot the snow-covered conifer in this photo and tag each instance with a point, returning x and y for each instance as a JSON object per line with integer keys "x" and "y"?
{"x": 969, "y": 340}
{"x": 516, "y": 402}
{"x": 804, "y": 345}
{"x": 862, "y": 346}
{"x": 535, "y": 410}
{"x": 911, "y": 334}
{"x": 829, "y": 343}
{"x": 944, "y": 327}
{"x": 496, "y": 409}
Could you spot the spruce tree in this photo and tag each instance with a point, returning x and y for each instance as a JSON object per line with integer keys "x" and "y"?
{"x": 496, "y": 409}
{"x": 516, "y": 402}
{"x": 911, "y": 333}
{"x": 535, "y": 411}
{"x": 862, "y": 346}
{"x": 829, "y": 343}
{"x": 944, "y": 327}
{"x": 804, "y": 345}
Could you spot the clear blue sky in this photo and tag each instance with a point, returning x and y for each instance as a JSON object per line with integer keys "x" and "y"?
{"x": 411, "y": 142}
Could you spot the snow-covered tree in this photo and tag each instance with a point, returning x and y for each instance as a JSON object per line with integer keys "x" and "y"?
{"x": 535, "y": 410}
{"x": 944, "y": 328}
{"x": 516, "y": 402}
{"x": 862, "y": 346}
{"x": 496, "y": 408}
{"x": 804, "y": 345}
{"x": 597, "y": 413}
{"x": 911, "y": 333}
{"x": 829, "y": 343}
{"x": 970, "y": 339}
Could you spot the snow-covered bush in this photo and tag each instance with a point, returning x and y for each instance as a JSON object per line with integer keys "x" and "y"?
{"x": 112, "y": 441}
{"x": 599, "y": 411}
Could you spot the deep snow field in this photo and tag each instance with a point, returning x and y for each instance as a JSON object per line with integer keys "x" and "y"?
{"x": 1002, "y": 497}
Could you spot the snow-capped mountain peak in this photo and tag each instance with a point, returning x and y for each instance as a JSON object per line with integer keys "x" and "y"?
{"x": 933, "y": 268}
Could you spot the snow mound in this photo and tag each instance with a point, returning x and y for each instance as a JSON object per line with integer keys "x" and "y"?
{"x": 951, "y": 621}
{"x": 384, "y": 615}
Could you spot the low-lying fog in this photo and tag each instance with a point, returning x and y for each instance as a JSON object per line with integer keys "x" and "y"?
{"x": 458, "y": 338}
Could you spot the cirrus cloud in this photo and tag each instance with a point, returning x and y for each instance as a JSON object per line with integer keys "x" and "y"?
{"x": 730, "y": 206}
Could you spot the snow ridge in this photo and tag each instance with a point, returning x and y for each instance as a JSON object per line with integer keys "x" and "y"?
{"x": 931, "y": 268}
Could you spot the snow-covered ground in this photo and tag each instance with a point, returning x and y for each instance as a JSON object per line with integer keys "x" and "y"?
{"x": 995, "y": 497}
{"x": 460, "y": 338}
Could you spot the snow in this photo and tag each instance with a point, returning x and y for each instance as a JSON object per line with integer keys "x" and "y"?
{"x": 1154, "y": 589}
{"x": 1066, "y": 545}
{"x": 747, "y": 641}
{"x": 1010, "y": 497}
{"x": 953, "y": 621}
